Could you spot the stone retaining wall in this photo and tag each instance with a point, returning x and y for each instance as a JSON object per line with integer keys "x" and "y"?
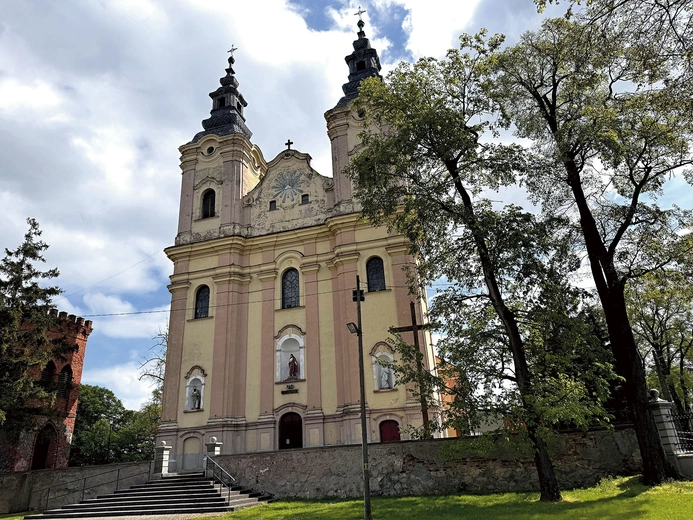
{"x": 422, "y": 467}
{"x": 31, "y": 490}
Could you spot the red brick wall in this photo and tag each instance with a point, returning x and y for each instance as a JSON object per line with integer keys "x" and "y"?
{"x": 76, "y": 331}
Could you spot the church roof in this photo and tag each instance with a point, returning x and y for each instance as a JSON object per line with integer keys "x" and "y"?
{"x": 363, "y": 63}
{"x": 227, "y": 108}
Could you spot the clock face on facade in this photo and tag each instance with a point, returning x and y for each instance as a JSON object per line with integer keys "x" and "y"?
{"x": 288, "y": 186}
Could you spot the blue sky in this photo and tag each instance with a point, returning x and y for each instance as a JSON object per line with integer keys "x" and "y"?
{"x": 96, "y": 98}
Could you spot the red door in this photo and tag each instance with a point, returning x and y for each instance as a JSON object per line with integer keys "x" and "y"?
{"x": 389, "y": 431}
{"x": 290, "y": 431}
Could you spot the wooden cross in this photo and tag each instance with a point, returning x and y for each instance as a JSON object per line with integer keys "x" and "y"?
{"x": 415, "y": 328}
{"x": 232, "y": 49}
{"x": 288, "y": 144}
{"x": 359, "y": 12}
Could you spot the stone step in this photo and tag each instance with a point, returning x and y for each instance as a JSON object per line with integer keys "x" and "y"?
{"x": 148, "y": 500}
{"x": 163, "y": 511}
{"x": 179, "y": 494}
{"x": 161, "y": 496}
{"x": 175, "y": 485}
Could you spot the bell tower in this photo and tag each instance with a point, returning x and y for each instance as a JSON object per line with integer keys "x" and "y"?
{"x": 344, "y": 124}
{"x": 220, "y": 166}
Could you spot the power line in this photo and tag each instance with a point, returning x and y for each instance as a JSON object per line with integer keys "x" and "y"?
{"x": 226, "y": 305}
{"x": 64, "y": 297}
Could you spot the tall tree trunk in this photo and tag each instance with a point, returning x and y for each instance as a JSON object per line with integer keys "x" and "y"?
{"x": 656, "y": 467}
{"x": 548, "y": 483}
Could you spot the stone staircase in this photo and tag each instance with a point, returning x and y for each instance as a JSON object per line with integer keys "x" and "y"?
{"x": 172, "y": 494}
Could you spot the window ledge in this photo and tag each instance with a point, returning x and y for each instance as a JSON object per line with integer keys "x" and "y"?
{"x": 292, "y": 308}
{"x": 205, "y": 218}
{"x": 289, "y": 382}
{"x": 384, "y": 390}
{"x": 194, "y": 411}
{"x": 201, "y": 319}
{"x": 376, "y": 292}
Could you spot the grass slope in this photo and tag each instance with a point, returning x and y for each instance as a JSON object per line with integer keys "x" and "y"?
{"x": 622, "y": 498}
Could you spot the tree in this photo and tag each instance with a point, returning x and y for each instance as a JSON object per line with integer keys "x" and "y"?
{"x": 427, "y": 162}
{"x": 105, "y": 432}
{"x": 611, "y": 129}
{"x": 154, "y": 367}
{"x": 29, "y": 336}
{"x": 661, "y": 312}
{"x": 99, "y": 414}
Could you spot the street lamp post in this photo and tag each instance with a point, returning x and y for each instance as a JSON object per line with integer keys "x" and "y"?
{"x": 358, "y": 330}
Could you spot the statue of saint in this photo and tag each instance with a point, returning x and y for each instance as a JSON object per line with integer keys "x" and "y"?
{"x": 293, "y": 367}
{"x": 196, "y": 401}
{"x": 384, "y": 379}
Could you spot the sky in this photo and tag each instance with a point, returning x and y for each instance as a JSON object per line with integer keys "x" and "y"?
{"x": 96, "y": 98}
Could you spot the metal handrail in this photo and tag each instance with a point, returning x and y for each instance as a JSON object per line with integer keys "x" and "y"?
{"x": 222, "y": 473}
{"x": 84, "y": 483}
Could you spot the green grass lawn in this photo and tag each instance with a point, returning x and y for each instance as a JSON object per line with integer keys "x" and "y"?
{"x": 620, "y": 498}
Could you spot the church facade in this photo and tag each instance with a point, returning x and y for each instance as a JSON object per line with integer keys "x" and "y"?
{"x": 265, "y": 262}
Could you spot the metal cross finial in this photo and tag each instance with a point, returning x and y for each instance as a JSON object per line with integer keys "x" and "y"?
{"x": 288, "y": 144}
{"x": 359, "y": 12}
{"x": 232, "y": 49}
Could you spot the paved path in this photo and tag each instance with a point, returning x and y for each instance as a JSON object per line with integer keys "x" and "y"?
{"x": 157, "y": 517}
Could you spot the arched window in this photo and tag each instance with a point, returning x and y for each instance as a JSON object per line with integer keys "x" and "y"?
{"x": 208, "y": 203}
{"x": 202, "y": 302}
{"x": 290, "y": 293}
{"x": 65, "y": 382}
{"x": 48, "y": 375}
{"x": 375, "y": 274}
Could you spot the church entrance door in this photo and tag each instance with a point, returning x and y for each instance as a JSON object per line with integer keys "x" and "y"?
{"x": 290, "y": 431}
{"x": 389, "y": 431}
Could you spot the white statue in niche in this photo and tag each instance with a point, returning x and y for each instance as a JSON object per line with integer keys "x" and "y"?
{"x": 196, "y": 398}
{"x": 384, "y": 378}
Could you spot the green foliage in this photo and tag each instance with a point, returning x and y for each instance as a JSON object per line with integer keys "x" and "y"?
{"x": 610, "y": 128}
{"x": 614, "y": 498}
{"x": 426, "y": 169}
{"x": 607, "y": 107}
{"x": 29, "y": 335}
{"x": 105, "y": 432}
{"x": 661, "y": 312}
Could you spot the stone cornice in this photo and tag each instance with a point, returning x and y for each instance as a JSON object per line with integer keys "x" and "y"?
{"x": 178, "y": 285}
{"x": 397, "y": 249}
{"x": 346, "y": 258}
{"x": 267, "y": 276}
{"x": 234, "y": 278}
{"x": 310, "y": 268}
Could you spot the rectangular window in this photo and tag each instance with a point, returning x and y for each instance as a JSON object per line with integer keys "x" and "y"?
{"x": 273, "y": 205}
{"x": 305, "y": 198}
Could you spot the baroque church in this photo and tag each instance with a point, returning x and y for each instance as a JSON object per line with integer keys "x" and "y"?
{"x": 265, "y": 262}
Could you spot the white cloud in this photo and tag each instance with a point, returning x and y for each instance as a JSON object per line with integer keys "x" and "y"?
{"x": 124, "y": 381}
{"x": 433, "y": 28}
{"x": 16, "y": 97}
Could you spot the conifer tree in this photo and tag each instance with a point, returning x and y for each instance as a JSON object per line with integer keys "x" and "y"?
{"x": 28, "y": 339}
